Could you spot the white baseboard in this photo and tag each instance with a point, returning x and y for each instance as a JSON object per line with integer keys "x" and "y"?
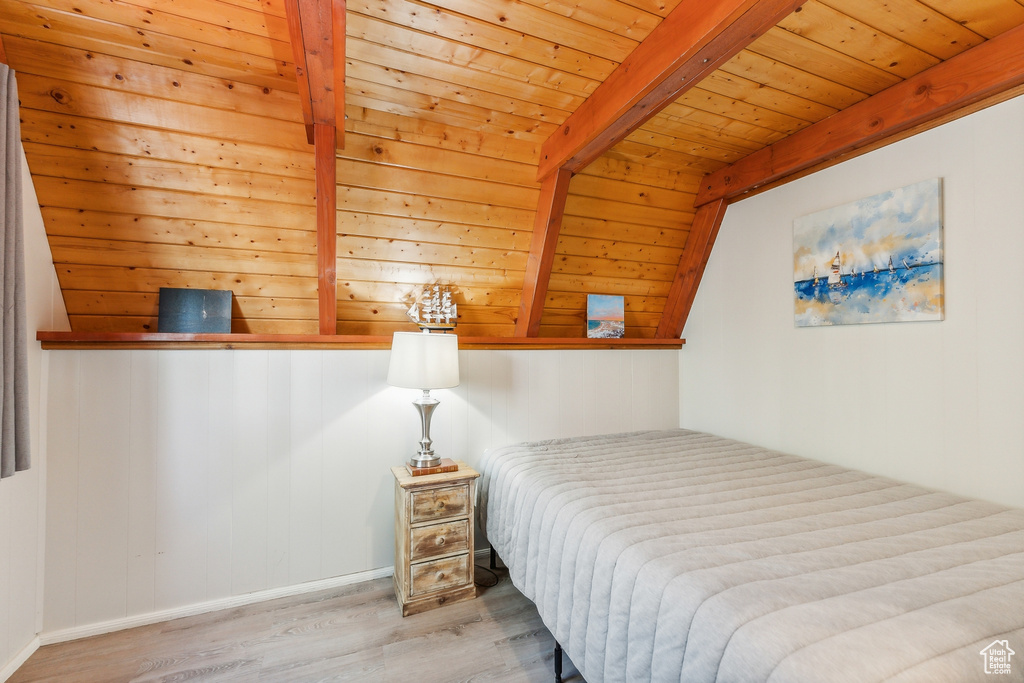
{"x": 87, "y": 630}
{"x": 19, "y": 659}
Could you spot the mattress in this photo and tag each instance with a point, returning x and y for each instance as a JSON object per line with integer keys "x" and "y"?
{"x": 683, "y": 556}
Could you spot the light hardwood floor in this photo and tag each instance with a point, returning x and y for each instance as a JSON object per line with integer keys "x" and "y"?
{"x": 355, "y": 633}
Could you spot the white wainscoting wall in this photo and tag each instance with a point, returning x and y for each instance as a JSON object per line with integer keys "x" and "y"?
{"x": 935, "y": 403}
{"x": 22, "y": 497}
{"x": 182, "y": 478}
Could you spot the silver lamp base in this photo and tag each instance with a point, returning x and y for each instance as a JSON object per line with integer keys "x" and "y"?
{"x": 425, "y": 457}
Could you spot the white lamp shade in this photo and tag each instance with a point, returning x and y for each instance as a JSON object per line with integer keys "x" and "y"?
{"x": 424, "y": 361}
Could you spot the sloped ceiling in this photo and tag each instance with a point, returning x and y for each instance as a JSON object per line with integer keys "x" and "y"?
{"x": 166, "y": 143}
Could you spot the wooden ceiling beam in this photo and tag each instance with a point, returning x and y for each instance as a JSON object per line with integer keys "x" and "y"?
{"x": 981, "y": 73}
{"x": 326, "y": 226}
{"x": 695, "y": 39}
{"x": 317, "y": 31}
{"x": 546, "y": 226}
{"x": 694, "y": 259}
{"x": 301, "y": 73}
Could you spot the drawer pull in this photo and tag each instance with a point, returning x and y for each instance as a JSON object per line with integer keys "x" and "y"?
{"x": 440, "y": 505}
{"x": 440, "y": 540}
{"x": 440, "y": 576}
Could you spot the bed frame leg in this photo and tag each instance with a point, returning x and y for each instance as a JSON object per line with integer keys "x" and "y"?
{"x": 494, "y": 558}
{"x": 558, "y": 663}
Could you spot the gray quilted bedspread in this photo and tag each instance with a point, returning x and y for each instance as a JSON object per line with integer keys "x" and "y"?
{"x": 682, "y": 556}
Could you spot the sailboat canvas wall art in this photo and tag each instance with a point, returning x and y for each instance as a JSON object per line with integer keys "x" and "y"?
{"x": 874, "y": 260}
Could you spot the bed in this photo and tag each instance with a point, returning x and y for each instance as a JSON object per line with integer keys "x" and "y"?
{"x": 683, "y": 556}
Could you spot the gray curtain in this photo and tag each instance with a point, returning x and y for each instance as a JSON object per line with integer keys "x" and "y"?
{"x": 14, "y": 430}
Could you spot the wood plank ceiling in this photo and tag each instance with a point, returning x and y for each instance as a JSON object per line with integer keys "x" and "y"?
{"x": 168, "y": 148}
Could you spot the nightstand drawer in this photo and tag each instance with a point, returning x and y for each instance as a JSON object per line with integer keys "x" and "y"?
{"x": 450, "y": 501}
{"x": 440, "y": 539}
{"x": 437, "y": 575}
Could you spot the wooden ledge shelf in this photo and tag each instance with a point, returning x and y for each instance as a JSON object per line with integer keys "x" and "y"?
{"x": 158, "y": 340}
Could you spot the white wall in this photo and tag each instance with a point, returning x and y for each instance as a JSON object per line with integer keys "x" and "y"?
{"x": 183, "y": 477}
{"x": 22, "y": 496}
{"x": 935, "y": 403}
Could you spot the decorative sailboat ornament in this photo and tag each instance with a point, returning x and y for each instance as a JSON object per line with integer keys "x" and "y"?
{"x": 891, "y": 269}
{"x": 905, "y": 264}
{"x": 434, "y": 310}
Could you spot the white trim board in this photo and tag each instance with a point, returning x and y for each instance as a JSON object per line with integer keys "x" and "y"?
{"x": 19, "y": 659}
{"x": 65, "y": 635}
{"x": 102, "y": 627}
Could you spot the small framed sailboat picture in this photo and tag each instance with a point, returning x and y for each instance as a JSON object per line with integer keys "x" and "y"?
{"x": 874, "y": 260}
{"x": 606, "y": 316}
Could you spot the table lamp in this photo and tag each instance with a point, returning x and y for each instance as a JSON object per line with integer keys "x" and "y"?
{"x": 420, "y": 360}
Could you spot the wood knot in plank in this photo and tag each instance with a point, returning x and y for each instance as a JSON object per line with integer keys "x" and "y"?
{"x": 60, "y": 96}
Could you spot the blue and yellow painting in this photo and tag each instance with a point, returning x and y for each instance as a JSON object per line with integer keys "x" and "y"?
{"x": 606, "y": 316}
{"x": 875, "y": 260}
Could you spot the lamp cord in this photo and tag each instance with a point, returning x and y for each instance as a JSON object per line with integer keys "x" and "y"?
{"x": 494, "y": 574}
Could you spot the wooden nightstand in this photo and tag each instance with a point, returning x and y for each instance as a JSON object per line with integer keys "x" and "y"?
{"x": 434, "y": 538}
